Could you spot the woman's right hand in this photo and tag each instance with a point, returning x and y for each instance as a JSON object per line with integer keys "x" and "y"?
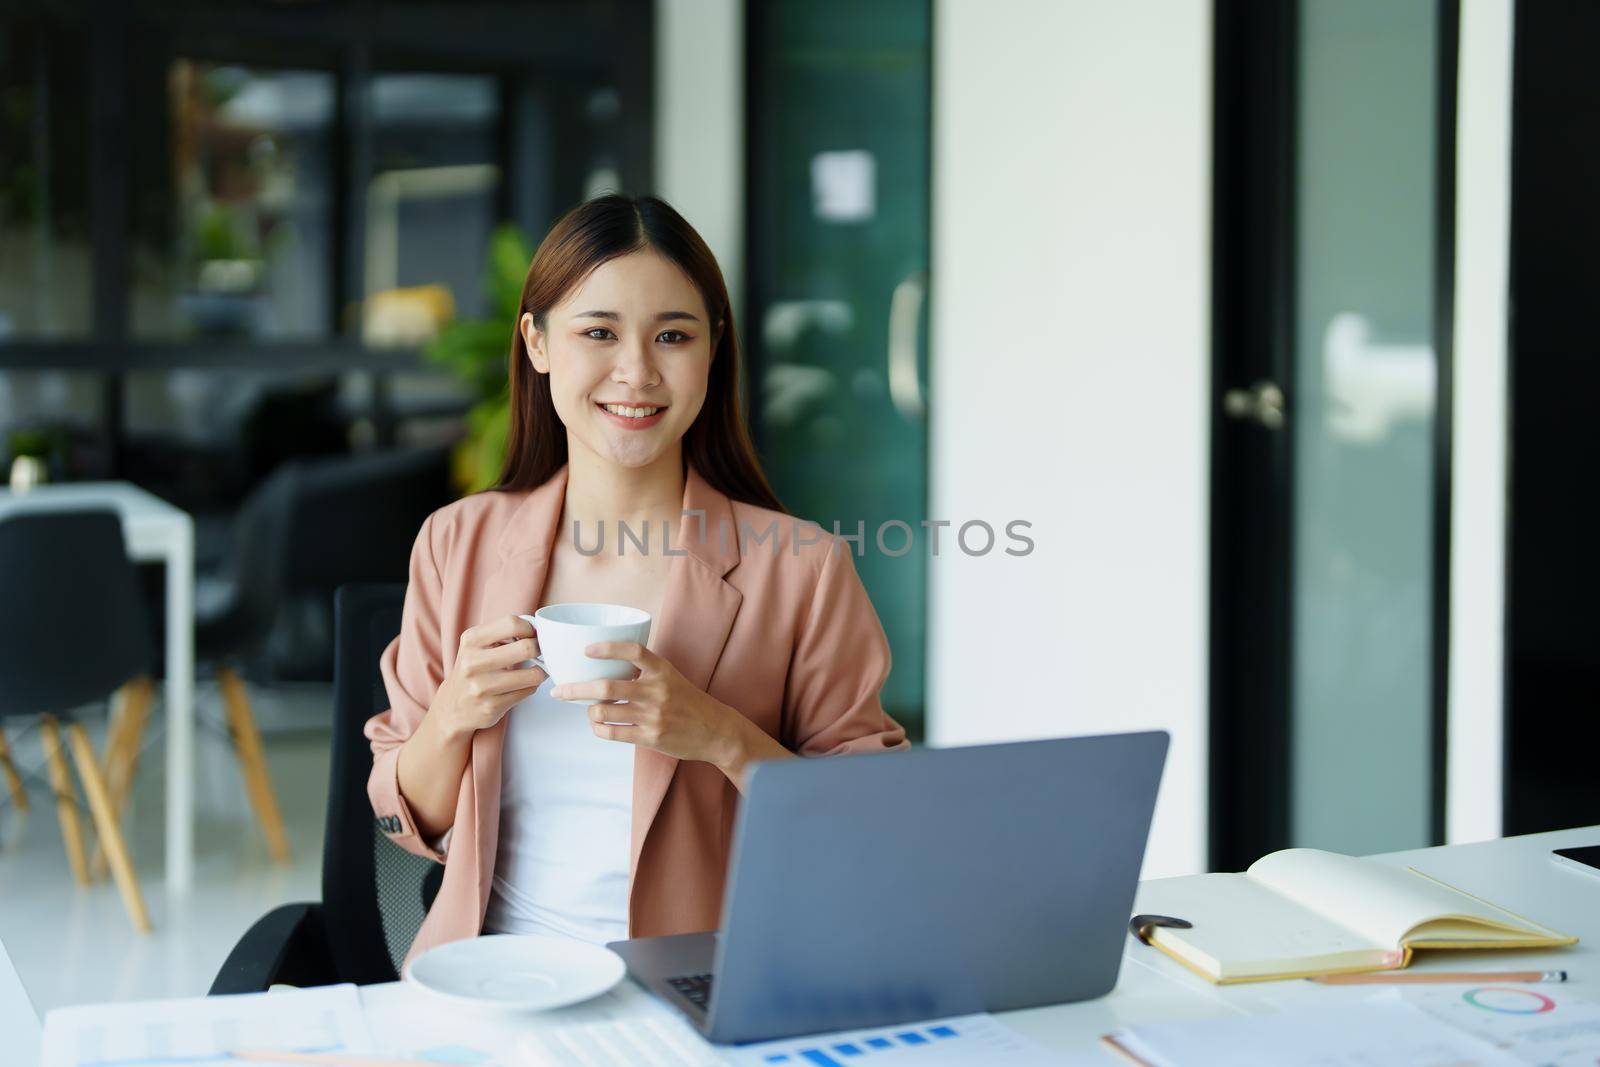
{"x": 486, "y": 678}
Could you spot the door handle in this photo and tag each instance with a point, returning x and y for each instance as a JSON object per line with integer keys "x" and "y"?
{"x": 905, "y": 312}
{"x": 1262, "y": 403}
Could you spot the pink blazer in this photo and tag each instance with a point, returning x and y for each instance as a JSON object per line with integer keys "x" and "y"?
{"x": 783, "y": 631}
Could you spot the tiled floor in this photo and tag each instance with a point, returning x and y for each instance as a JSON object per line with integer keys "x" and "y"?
{"x": 75, "y": 945}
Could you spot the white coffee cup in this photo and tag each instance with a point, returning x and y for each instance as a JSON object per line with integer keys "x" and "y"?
{"x": 565, "y": 630}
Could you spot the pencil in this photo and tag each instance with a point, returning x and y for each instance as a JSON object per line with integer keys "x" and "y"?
{"x": 1433, "y": 977}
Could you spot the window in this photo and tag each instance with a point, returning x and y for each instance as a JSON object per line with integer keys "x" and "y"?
{"x": 45, "y": 238}
{"x": 241, "y": 243}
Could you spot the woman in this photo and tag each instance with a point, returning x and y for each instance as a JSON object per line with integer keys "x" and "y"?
{"x": 624, "y": 409}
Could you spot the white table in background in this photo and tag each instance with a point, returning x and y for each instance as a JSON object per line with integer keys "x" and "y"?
{"x": 1515, "y": 873}
{"x": 155, "y": 531}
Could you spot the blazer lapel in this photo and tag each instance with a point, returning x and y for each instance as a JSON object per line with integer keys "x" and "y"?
{"x": 515, "y": 589}
{"x": 697, "y": 613}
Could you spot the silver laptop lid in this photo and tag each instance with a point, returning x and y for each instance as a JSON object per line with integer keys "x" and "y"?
{"x": 866, "y": 890}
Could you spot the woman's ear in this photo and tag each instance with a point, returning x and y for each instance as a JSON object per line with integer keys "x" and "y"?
{"x": 533, "y": 341}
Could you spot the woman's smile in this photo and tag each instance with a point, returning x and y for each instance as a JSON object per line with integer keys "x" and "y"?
{"x": 632, "y": 417}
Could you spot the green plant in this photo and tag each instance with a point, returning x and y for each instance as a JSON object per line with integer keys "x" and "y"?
{"x": 476, "y": 351}
{"x": 217, "y": 234}
{"x": 41, "y": 443}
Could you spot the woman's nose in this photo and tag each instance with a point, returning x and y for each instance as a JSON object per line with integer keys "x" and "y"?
{"x": 635, "y": 366}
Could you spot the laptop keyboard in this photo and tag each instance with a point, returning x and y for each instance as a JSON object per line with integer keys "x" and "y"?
{"x": 696, "y": 988}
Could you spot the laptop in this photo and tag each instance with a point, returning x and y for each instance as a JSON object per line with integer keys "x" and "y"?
{"x": 868, "y": 890}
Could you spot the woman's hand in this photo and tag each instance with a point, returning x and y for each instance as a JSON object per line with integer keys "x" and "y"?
{"x": 486, "y": 678}
{"x": 666, "y": 712}
{"x": 484, "y": 682}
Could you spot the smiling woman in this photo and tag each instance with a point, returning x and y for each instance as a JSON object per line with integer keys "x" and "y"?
{"x": 588, "y": 285}
{"x": 614, "y": 822}
{"x": 636, "y": 367}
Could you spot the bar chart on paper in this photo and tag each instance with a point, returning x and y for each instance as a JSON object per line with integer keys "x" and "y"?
{"x": 206, "y": 1032}
{"x": 965, "y": 1039}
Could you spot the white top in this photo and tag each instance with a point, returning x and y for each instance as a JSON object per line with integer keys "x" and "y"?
{"x": 566, "y": 819}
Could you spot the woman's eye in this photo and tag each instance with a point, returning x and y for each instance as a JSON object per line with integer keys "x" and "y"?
{"x": 601, "y": 330}
{"x": 673, "y": 337}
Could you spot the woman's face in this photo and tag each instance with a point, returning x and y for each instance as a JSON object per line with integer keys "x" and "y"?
{"x": 628, "y": 353}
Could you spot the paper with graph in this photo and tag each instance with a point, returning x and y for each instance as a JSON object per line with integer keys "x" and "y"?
{"x": 205, "y": 1031}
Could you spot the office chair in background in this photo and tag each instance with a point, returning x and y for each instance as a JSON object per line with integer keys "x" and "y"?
{"x": 308, "y": 528}
{"x": 375, "y": 894}
{"x": 74, "y": 630}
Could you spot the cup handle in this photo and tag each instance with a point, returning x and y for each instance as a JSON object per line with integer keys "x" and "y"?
{"x": 537, "y": 661}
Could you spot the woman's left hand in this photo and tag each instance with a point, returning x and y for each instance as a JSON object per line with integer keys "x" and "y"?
{"x": 668, "y": 713}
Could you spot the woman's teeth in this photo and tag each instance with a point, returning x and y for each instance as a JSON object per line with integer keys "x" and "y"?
{"x": 632, "y": 413}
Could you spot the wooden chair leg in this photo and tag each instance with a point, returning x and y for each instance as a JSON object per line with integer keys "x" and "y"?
{"x": 66, "y": 798}
{"x": 94, "y": 787}
{"x": 124, "y": 742}
{"x": 116, "y": 723}
{"x": 253, "y": 762}
{"x": 19, "y": 795}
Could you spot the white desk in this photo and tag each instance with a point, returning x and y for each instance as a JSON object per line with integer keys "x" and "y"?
{"x": 154, "y": 531}
{"x": 1515, "y": 873}
{"x": 19, "y": 1022}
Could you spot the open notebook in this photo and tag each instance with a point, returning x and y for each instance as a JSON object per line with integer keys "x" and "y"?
{"x": 1304, "y": 912}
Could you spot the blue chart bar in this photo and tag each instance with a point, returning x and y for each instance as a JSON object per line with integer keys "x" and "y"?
{"x": 863, "y": 1047}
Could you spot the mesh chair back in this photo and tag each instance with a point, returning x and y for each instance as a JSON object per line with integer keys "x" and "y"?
{"x": 374, "y": 893}
{"x": 74, "y": 625}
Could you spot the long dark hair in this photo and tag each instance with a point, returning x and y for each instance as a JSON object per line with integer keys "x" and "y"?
{"x": 718, "y": 442}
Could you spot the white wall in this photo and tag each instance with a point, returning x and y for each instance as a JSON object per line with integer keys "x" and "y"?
{"x": 699, "y": 132}
{"x": 1070, "y": 370}
{"x": 1478, "y": 482}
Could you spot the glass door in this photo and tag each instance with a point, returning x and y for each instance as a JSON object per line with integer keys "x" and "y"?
{"x": 838, "y": 251}
{"x": 1334, "y": 194}
{"x": 1365, "y": 372}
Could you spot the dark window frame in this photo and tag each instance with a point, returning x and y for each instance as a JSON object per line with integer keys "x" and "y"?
{"x": 352, "y": 40}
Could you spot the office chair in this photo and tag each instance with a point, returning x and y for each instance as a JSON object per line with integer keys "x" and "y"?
{"x": 375, "y": 894}
{"x": 354, "y": 519}
{"x": 307, "y": 529}
{"x": 74, "y": 630}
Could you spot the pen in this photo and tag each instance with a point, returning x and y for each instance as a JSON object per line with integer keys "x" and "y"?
{"x": 1427, "y": 977}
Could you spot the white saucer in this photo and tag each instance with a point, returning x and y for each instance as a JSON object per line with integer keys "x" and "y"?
{"x": 516, "y": 972}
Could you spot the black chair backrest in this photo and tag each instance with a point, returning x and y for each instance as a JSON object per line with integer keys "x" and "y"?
{"x": 310, "y": 527}
{"x": 355, "y": 517}
{"x": 374, "y": 893}
{"x": 261, "y": 536}
{"x": 73, "y": 625}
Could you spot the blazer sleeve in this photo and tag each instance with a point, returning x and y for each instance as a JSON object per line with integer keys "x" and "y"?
{"x": 413, "y": 670}
{"x": 832, "y": 701}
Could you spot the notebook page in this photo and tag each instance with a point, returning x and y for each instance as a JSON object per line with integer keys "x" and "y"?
{"x": 1383, "y": 903}
{"x": 1243, "y": 927}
